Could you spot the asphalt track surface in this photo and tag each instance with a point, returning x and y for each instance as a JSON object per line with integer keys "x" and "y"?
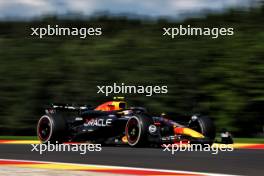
{"x": 239, "y": 161}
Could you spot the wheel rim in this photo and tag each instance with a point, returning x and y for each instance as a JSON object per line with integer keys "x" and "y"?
{"x": 133, "y": 131}
{"x": 44, "y": 129}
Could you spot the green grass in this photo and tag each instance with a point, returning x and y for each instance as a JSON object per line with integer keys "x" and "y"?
{"x": 19, "y": 137}
{"x": 247, "y": 140}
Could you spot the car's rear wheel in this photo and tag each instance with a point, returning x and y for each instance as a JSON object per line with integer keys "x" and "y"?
{"x": 51, "y": 129}
{"x": 137, "y": 130}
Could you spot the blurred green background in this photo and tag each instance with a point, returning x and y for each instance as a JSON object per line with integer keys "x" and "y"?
{"x": 222, "y": 78}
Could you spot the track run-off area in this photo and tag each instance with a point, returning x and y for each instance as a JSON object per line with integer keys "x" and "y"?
{"x": 16, "y": 157}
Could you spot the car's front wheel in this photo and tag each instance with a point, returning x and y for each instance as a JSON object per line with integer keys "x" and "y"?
{"x": 204, "y": 125}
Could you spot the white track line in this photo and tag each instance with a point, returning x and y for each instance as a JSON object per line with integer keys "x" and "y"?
{"x": 123, "y": 167}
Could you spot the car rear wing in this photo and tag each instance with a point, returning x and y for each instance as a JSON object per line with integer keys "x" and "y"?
{"x": 67, "y": 107}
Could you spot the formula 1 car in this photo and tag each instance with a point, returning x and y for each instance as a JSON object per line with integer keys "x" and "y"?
{"x": 115, "y": 123}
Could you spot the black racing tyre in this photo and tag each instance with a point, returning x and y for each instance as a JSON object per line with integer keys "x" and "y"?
{"x": 137, "y": 130}
{"x": 51, "y": 129}
{"x": 204, "y": 125}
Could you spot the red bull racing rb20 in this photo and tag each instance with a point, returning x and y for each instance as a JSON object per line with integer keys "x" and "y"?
{"x": 114, "y": 123}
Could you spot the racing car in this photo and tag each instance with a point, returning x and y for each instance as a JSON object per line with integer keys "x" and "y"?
{"x": 114, "y": 123}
